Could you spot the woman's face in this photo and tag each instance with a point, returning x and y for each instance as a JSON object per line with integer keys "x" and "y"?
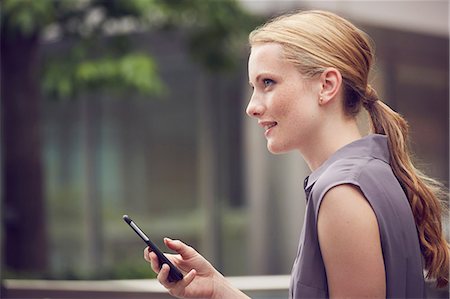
{"x": 285, "y": 104}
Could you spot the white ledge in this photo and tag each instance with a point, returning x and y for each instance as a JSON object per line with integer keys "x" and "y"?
{"x": 244, "y": 283}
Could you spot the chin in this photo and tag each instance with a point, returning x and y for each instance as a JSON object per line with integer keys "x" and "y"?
{"x": 276, "y": 149}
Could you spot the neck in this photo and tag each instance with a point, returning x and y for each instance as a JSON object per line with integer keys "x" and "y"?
{"x": 327, "y": 142}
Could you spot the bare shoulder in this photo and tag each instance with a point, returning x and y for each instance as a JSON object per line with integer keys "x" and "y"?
{"x": 350, "y": 244}
{"x": 347, "y": 203}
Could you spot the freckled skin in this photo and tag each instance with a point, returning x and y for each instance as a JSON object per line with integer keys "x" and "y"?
{"x": 287, "y": 98}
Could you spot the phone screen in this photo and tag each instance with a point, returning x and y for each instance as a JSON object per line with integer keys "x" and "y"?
{"x": 174, "y": 273}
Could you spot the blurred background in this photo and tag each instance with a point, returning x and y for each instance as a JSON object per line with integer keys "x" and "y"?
{"x": 112, "y": 107}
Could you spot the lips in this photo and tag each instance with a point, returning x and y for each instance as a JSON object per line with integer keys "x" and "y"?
{"x": 267, "y": 125}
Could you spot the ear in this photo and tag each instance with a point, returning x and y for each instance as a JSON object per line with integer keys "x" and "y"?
{"x": 331, "y": 81}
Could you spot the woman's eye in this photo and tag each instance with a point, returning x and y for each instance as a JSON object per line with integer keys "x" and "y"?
{"x": 267, "y": 82}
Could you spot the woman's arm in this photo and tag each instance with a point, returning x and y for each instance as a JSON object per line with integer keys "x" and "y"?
{"x": 201, "y": 280}
{"x": 350, "y": 244}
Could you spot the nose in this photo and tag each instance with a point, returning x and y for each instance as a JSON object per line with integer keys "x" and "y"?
{"x": 254, "y": 108}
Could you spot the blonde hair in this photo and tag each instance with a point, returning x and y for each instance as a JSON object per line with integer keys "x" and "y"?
{"x": 316, "y": 40}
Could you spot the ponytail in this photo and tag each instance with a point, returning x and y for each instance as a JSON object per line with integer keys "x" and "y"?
{"x": 425, "y": 195}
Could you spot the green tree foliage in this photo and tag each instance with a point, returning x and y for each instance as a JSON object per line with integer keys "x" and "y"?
{"x": 214, "y": 29}
{"x": 84, "y": 22}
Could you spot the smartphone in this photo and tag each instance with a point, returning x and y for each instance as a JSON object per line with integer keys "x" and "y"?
{"x": 174, "y": 273}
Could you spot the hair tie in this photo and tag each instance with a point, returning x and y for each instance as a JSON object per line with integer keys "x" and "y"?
{"x": 370, "y": 97}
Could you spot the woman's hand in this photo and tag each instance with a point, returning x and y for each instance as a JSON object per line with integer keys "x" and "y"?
{"x": 201, "y": 280}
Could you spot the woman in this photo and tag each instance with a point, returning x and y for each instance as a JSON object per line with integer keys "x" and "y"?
{"x": 373, "y": 222}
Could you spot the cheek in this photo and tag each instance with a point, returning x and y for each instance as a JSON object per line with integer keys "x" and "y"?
{"x": 293, "y": 107}
{"x": 301, "y": 116}
{"x": 287, "y": 102}
{"x": 295, "y": 102}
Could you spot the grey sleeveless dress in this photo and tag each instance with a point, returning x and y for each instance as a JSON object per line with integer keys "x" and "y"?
{"x": 363, "y": 163}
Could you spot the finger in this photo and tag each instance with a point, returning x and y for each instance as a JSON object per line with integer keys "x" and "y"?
{"x": 146, "y": 252}
{"x": 163, "y": 275}
{"x": 180, "y": 286}
{"x": 154, "y": 262}
{"x": 184, "y": 250}
{"x": 188, "y": 278}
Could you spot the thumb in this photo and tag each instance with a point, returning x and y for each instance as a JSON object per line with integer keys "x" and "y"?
{"x": 184, "y": 250}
